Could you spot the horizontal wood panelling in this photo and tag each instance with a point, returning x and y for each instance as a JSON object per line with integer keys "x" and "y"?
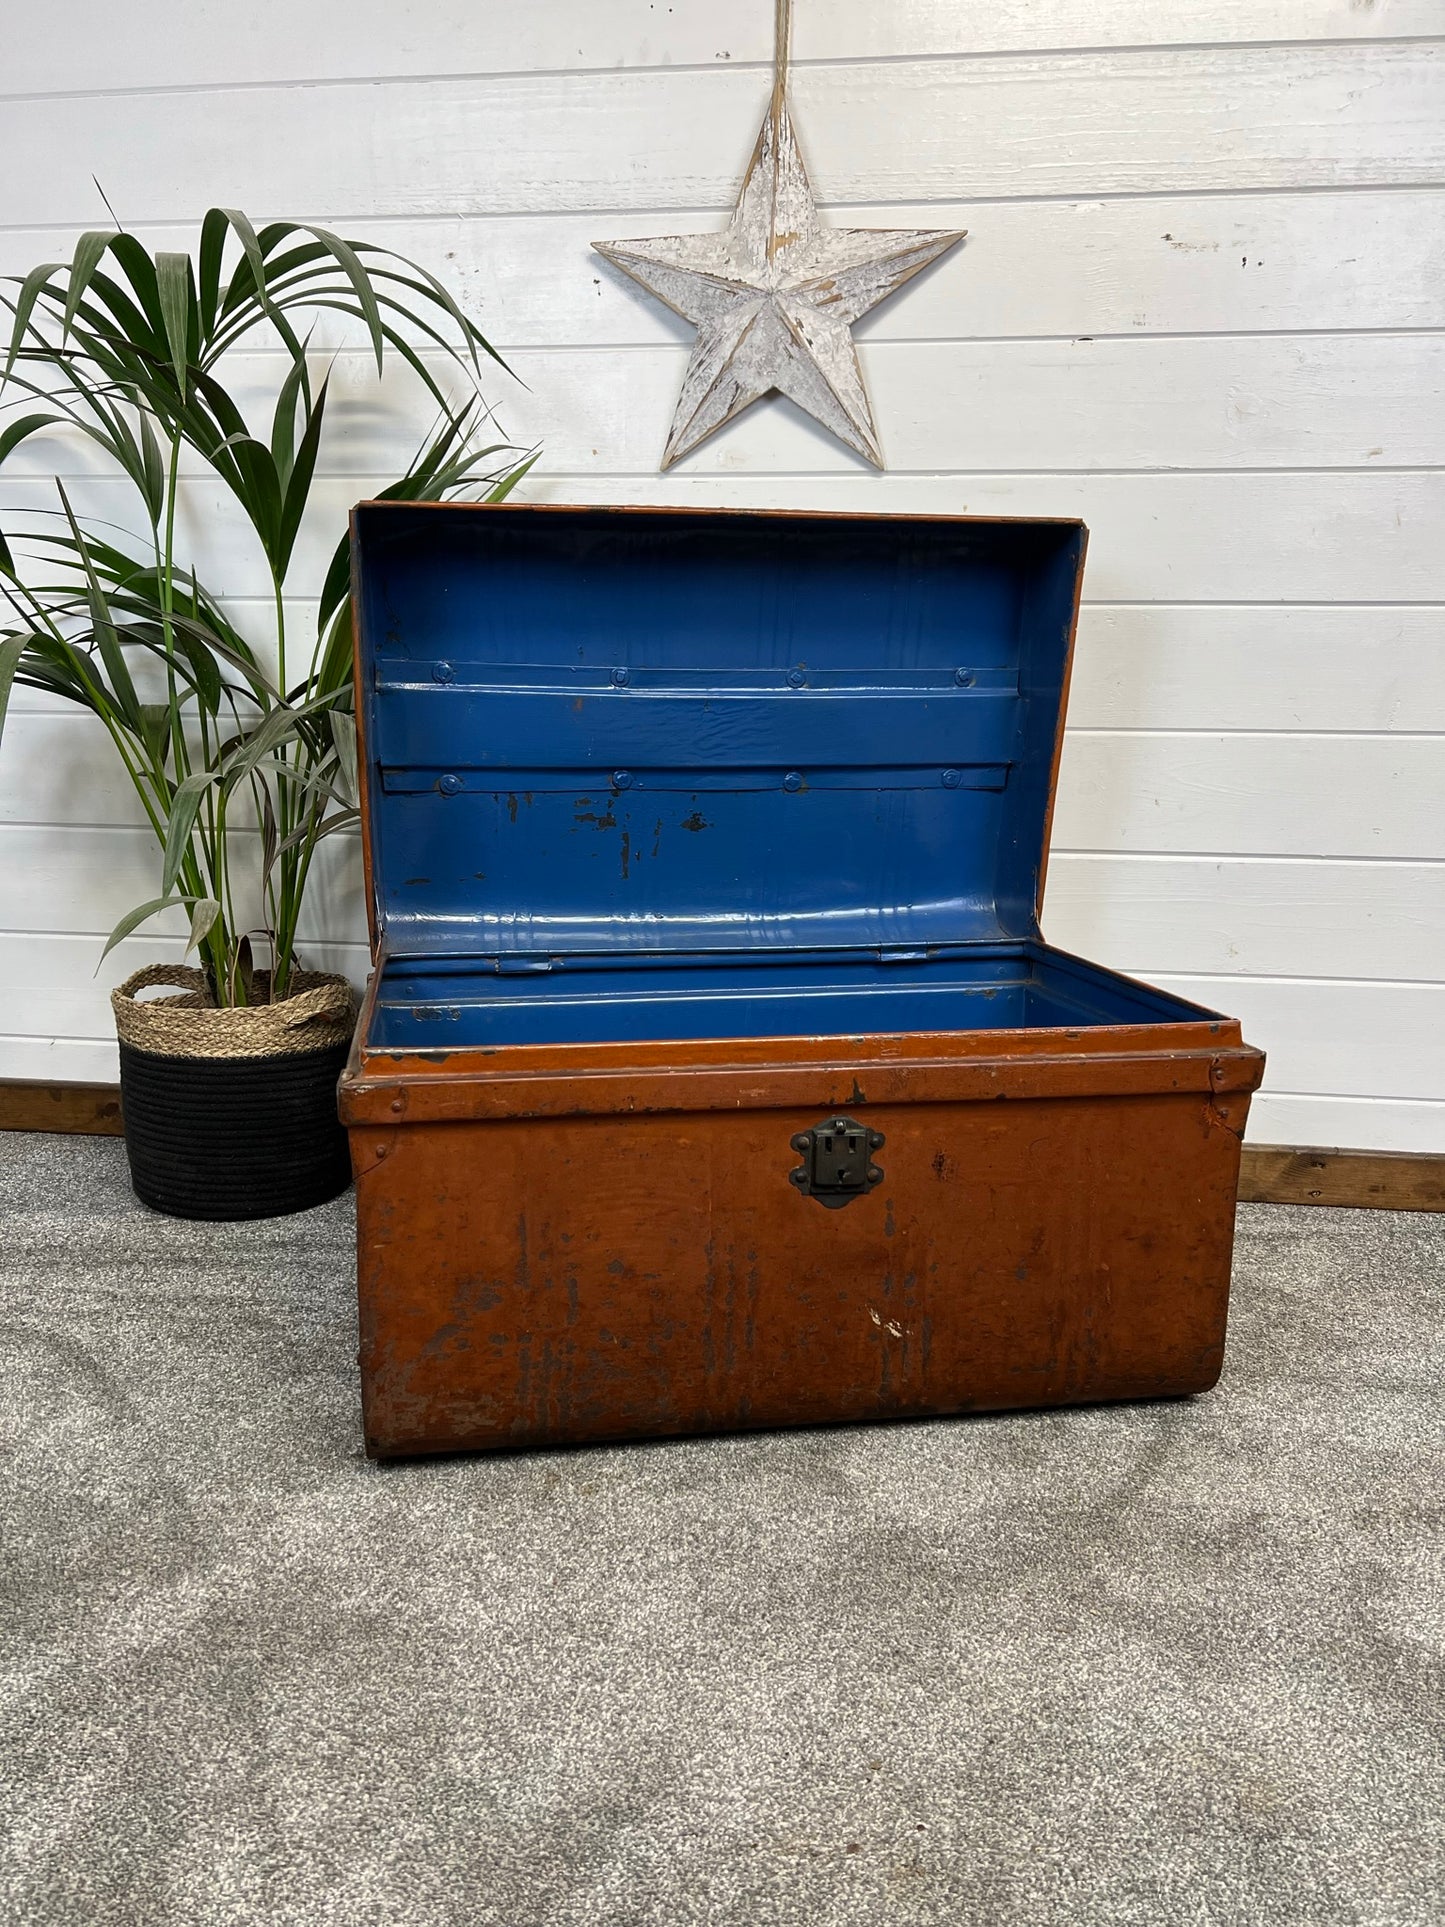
{"x": 1266, "y": 401}
{"x": 208, "y": 44}
{"x": 59, "y": 1060}
{"x": 854, "y": 28}
{"x": 1158, "y": 265}
{"x": 1258, "y": 795}
{"x": 83, "y": 881}
{"x": 63, "y": 770}
{"x": 1228, "y": 916}
{"x": 1256, "y": 537}
{"x": 1117, "y": 123}
{"x": 1367, "y": 1123}
{"x": 1315, "y": 669}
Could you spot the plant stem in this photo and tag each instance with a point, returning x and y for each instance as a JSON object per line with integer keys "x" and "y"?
{"x": 178, "y": 734}
{"x": 280, "y": 941}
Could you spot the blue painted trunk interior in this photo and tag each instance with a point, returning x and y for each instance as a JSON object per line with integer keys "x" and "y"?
{"x": 446, "y": 1004}
{"x": 642, "y": 773}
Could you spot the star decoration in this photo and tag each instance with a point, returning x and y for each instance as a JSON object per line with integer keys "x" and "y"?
{"x": 774, "y": 296}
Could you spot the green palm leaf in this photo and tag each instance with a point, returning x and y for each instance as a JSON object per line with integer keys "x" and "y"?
{"x": 185, "y": 806}
{"x": 176, "y": 292}
{"x": 31, "y": 288}
{"x": 133, "y": 919}
{"x": 89, "y": 250}
{"x": 11, "y": 650}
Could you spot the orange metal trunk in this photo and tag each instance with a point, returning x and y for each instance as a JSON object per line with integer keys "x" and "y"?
{"x": 714, "y": 1073}
{"x": 558, "y": 1245}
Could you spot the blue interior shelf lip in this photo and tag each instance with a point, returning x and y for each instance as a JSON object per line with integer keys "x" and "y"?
{"x": 715, "y": 749}
{"x": 453, "y": 1003}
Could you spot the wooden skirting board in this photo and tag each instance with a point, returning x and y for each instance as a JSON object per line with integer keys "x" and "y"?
{"x": 1270, "y": 1173}
{"x": 82, "y": 1110}
{"x": 1378, "y": 1180}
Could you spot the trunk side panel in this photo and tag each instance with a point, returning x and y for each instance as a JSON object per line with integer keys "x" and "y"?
{"x": 543, "y": 1281}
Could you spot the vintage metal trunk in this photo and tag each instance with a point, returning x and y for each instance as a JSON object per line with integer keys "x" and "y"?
{"x": 714, "y": 1072}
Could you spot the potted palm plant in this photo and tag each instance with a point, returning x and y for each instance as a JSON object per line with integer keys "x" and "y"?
{"x": 239, "y": 741}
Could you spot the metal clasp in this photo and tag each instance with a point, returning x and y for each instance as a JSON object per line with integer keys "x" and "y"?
{"x": 837, "y": 1161}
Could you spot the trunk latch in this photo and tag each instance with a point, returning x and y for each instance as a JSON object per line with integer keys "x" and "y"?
{"x": 837, "y": 1161}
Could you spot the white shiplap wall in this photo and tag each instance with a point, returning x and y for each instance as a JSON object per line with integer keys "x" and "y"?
{"x": 1201, "y": 305}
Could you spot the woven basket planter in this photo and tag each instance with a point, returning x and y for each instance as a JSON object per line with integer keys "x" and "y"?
{"x": 231, "y": 1113}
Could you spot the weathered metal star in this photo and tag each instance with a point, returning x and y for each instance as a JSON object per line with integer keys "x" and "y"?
{"x": 774, "y": 294}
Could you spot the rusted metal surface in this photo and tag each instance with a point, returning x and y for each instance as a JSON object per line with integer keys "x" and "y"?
{"x": 550, "y": 1279}
{"x": 774, "y": 294}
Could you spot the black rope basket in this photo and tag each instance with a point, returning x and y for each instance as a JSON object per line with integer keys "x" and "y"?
{"x": 231, "y": 1113}
{"x": 234, "y": 1137}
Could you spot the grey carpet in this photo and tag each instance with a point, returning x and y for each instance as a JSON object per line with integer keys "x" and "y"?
{"x": 1155, "y": 1664}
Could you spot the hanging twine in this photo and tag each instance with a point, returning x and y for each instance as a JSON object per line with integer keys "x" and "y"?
{"x": 782, "y": 37}
{"x": 319, "y": 1013}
